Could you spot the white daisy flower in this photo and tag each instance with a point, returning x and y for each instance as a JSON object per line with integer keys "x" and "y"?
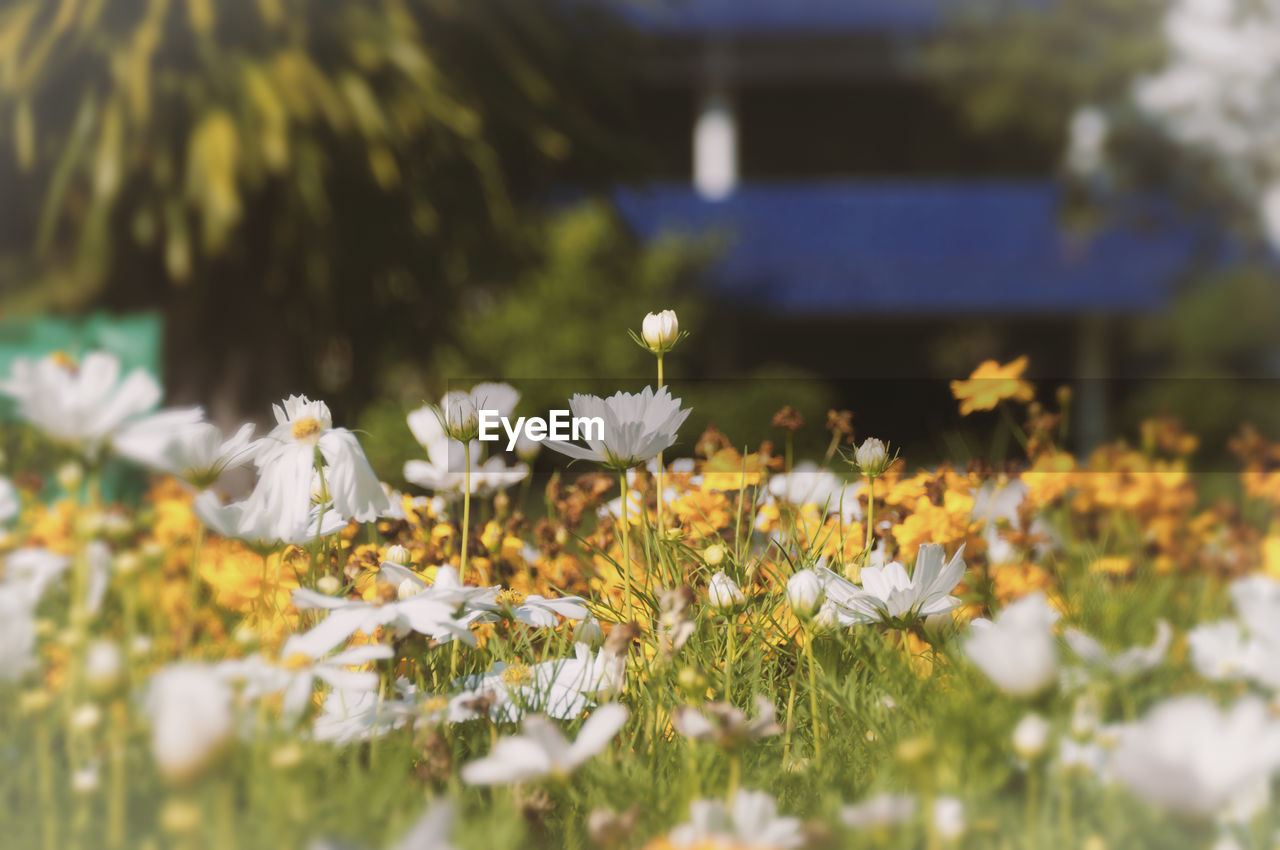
{"x": 544, "y": 751}
{"x": 637, "y": 426}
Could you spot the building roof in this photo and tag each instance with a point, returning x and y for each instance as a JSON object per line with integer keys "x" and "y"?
{"x": 938, "y": 247}
{"x": 742, "y": 17}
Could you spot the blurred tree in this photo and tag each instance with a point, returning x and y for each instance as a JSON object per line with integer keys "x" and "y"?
{"x": 309, "y": 189}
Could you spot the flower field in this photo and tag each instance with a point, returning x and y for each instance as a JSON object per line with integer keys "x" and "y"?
{"x": 671, "y": 642}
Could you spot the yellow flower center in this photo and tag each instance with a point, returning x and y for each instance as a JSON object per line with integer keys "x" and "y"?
{"x": 64, "y": 360}
{"x": 296, "y": 661}
{"x": 517, "y": 675}
{"x": 306, "y": 428}
{"x": 509, "y": 597}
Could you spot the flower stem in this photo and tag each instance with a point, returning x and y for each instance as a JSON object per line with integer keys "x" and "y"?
{"x": 735, "y": 770}
{"x": 728, "y": 659}
{"x": 626, "y": 545}
{"x": 813, "y": 695}
{"x": 661, "y": 469}
{"x": 466, "y": 511}
{"x": 193, "y": 583}
{"x": 871, "y": 517}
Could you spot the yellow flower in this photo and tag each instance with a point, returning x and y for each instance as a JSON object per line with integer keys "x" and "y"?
{"x": 1112, "y": 565}
{"x": 1271, "y": 556}
{"x": 991, "y": 384}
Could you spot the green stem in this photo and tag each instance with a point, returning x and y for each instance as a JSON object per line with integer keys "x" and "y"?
{"x": 626, "y": 544}
{"x": 728, "y": 659}
{"x": 791, "y": 717}
{"x": 44, "y": 782}
{"x": 871, "y": 517}
{"x": 193, "y": 583}
{"x": 466, "y": 511}
{"x": 813, "y": 695}
{"x": 661, "y": 468}
{"x": 735, "y": 769}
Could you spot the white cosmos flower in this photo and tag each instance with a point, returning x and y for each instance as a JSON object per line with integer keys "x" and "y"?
{"x": 240, "y": 521}
{"x": 418, "y": 613}
{"x": 431, "y": 831}
{"x": 723, "y": 593}
{"x": 17, "y": 632}
{"x": 806, "y": 484}
{"x": 349, "y": 716}
{"x": 563, "y": 687}
{"x": 725, "y": 724}
{"x": 444, "y": 470}
{"x": 1192, "y": 758}
{"x": 190, "y": 706}
{"x": 9, "y": 504}
{"x": 637, "y": 426}
{"x": 286, "y": 460}
{"x": 296, "y": 673}
{"x": 1017, "y": 651}
{"x": 31, "y": 570}
{"x": 181, "y": 443}
{"x": 1248, "y": 648}
{"x": 750, "y": 822}
{"x": 889, "y": 595}
{"x": 543, "y": 749}
{"x": 1129, "y": 662}
{"x": 83, "y": 405}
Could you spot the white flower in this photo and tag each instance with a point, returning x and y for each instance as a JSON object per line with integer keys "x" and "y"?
{"x": 1130, "y": 662}
{"x": 9, "y": 504}
{"x": 563, "y": 687}
{"x": 287, "y": 459}
{"x": 458, "y": 413}
{"x": 181, "y": 443}
{"x": 1031, "y": 736}
{"x": 589, "y": 632}
{"x": 419, "y": 613}
{"x": 537, "y": 610}
{"x": 806, "y": 484}
{"x": 805, "y": 593}
{"x": 103, "y": 665}
{"x": 660, "y": 331}
{"x": 32, "y": 570}
{"x": 544, "y": 751}
{"x": 948, "y": 818}
{"x": 296, "y": 673}
{"x": 191, "y": 718}
{"x": 750, "y": 822}
{"x": 888, "y": 594}
{"x": 1192, "y": 758}
{"x": 444, "y": 470}
{"x": 80, "y": 406}
{"x": 349, "y": 716}
{"x": 637, "y": 426}
{"x": 241, "y": 521}
{"x": 17, "y": 633}
{"x": 723, "y": 593}
{"x": 1249, "y": 649}
{"x": 1017, "y": 651}
{"x": 879, "y": 812}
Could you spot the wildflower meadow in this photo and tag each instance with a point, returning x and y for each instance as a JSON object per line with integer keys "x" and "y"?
{"x": 671, "y": 640}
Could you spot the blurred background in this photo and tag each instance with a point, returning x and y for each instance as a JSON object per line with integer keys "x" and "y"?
{"x": 848, "y": 202}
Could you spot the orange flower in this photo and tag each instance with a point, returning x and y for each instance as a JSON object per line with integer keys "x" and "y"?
{"x": 991, "y": 384}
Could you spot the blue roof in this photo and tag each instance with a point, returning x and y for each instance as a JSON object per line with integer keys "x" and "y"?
{"x": 774, "y": 16}
{"x": 871, "y": 247}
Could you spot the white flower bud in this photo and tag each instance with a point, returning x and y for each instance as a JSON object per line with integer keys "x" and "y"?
{"x": 70, "y": 475}
{"x": 103, "y": 666}
{"x": 191, "y": 718}
{"x": 805, "y": 593}
{"x": 398, "y": 555}
{"x": 871, "y": 456}
{"x": 660, "y": 331}
{"x": 85, "y": 780}
{"x": 948, "y": 818}
{"x": 409, "y": 587}
{"x": 723, "y": 593}
{"x": 1031, "y": 736}
{"x": 329, "y": 585}
{"x": 589, "y": 632}
{"x": 713, "y": 555}
{"x": 85, "y": 718}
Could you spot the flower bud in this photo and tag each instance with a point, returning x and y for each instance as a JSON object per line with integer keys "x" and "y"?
{"x": 805, "y": 593}
{"x": 398, "y": 555}
{"x": 589, "y": 632}
{"x": 692, "y": 682}
{"x": 1031, "y": 736}
{"x": 329, "y": 585}
{"x": 713, "y": 555}
{"x": 409, "y": 587}
{"x": 85, "y": 780}
{"x": 85, "y": 718}
{"x": 103, "y": 666}
{"x": 872, "y": 457}
{"x": 723, "y": 593}
{"x": 661, "y": 331}
{"x": 70, "y": 475}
